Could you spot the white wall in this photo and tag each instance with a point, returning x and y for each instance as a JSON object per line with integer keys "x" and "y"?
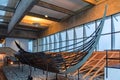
{"x": 10, "y": 42}
{"x": 113, "y": 74}
{"x": 2, "y": 57}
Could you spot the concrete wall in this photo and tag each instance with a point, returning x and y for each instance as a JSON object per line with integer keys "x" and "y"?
{"x": 10, "y": 43}
{"x": 92, "y": 14}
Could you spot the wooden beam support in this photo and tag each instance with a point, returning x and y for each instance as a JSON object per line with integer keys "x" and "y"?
{"x": 55, "y": 8}
{"x": 6, "y": 22}
{"x": 78, "y": 12}
{"x": 42, "y": 16}
{"x": 19, "y": 32}
{"x": 29, "y": 28}
{"x": 5, "y": 17}
{"x": 5, "y": 8}
{"x": 23, "y": 7}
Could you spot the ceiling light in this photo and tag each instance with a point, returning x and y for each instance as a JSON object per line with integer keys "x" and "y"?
{"x": 36, "y": 24}
{"x": 46, "y": 16}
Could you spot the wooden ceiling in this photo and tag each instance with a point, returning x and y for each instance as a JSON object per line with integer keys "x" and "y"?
{"x": 23, "y": 14}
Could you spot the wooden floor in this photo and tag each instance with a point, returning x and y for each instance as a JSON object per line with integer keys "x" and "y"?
{"x": 2, "y": 76}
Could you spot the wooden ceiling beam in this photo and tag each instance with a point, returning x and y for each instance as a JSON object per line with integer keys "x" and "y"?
{"x": 94, "y": 2}
{"x": 23, "y": 7}
{"x": 4, "y": 22}
{"x": 78, "y": 12}
{"x": 30, "y": 28}
{"x": 55, "y": 8}
{"x": 5, "y": 17}
{"x": 19, "y": 32}
{"x": 83, "y": 9}
{"x": 5, "y": 8}
{"x": 42, "y": 16}
{"x": 23, "y": 27}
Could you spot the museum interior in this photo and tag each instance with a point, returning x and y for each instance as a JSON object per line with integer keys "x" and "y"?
{"x": 59, "y": 39}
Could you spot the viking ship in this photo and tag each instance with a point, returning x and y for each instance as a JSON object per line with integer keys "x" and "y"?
{"x": 63, "y": 61}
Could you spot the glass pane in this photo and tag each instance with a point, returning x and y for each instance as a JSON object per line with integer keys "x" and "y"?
{"x": 89, "y": 28}
{"x": 0, "y": 45}
{"x": 39, "y": 48}
{"x": 35, "y": 43}
{"x": 107, "y": 26}
{"x": 116, "y": 20}
{"x": 56, "y": 46}
{"x": 47, "y": 40}
{"x": 1, "y": 19}
{"x": 52, "y": 47}
{"x": 105, "y": 42}
{"x": 3, "y": 2}
{"x": 35, "y": 49}
{"x": 63, "y": 36}
{"x": 70, "y": 47}
{"x": 47, "y": 47}
{"x": 44, "y": 47}
{"x": 79, "y": 32}
{"x": 39, "y": 41}
{"x": 117, "y": 41}
{"x": 79, "y": 43}
{"x": 63, "y": 45}
{"x": 52, "y": 38}
{"x": 44, "y": 41}
{"x": 57, "y": 37}
{"x": 98, "y": 22}
{"x": 47, "y": 43}
{"x": 30, "y": 46}
{"x": 2, "y": 12}
{"x": 70, "y": 33}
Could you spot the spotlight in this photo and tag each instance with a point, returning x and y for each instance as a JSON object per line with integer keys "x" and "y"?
{"x": 46, "y": 16}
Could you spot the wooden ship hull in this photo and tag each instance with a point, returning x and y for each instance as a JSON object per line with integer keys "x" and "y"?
{"x": 62, "y": 62}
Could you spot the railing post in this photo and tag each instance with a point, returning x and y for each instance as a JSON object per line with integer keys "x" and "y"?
{"x": 56, "y": 77}
{"x": 106, "y": 63}
{"x": 47, "y": 72}
{"x": 119, "y": 58}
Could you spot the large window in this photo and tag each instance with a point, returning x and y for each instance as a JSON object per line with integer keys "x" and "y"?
{"x": 109, "y": 38}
